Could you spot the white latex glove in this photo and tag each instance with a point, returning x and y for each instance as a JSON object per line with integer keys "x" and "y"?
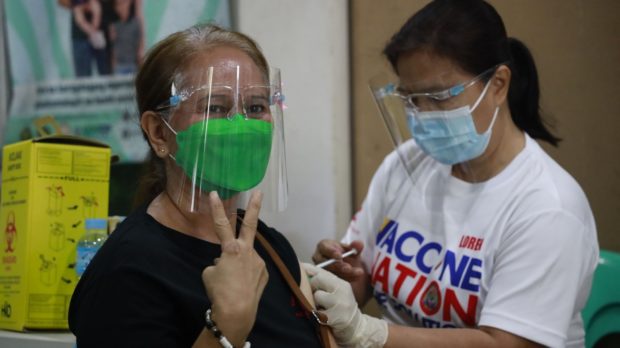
{"x": 335, "y": 298}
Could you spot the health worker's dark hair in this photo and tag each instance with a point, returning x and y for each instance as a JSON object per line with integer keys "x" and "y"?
{"x": 472, "y": 34}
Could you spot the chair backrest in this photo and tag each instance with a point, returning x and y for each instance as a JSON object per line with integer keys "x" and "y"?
{"x": 601, "y": 315}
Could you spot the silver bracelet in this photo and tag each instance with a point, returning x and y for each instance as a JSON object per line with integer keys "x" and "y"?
{"x": 211, "y": 326}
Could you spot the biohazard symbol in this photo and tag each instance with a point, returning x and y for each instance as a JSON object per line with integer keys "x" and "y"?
{"x": 10, "y": 232}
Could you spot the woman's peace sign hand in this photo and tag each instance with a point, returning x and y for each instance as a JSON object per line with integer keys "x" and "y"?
{"x": 237, "y": 280}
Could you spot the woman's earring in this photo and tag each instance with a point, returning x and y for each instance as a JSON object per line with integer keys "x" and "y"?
{"x": 162, "y": 149}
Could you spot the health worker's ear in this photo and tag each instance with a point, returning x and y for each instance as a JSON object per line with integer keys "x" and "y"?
{"x": 500, "y": 83}
{"x": 157, "y": 133}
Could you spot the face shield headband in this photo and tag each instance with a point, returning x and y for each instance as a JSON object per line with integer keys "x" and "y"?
{"x": 228, "y": 132}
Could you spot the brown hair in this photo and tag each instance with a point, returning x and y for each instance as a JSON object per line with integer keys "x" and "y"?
{"x": 155, "y": 76}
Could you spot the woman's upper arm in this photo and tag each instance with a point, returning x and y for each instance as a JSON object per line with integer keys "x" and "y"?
{"x": 128, "y": 308}
{"x": 540, "y": 276}
{"x": 507, "y": 339}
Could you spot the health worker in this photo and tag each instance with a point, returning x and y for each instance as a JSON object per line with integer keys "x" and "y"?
{"x": 468, "y": 224}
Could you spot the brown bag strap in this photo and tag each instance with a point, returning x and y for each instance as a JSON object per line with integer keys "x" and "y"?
{"x": 321, "y": 318}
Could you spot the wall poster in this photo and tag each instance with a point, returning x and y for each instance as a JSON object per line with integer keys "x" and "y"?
{"x": 71, "y": 64}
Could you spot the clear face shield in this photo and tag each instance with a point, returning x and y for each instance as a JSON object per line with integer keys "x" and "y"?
{"x": 229, "y": 137}
{"x": 437, "y": 119}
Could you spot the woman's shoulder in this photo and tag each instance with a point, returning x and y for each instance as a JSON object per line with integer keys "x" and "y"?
{"x": 132, "y": 228}
{"x": 554, "y": 182}
{"x": 542, "y": 193}
{"x": 273, "y": 236}
{"x": 136, "y": 239}
{"x": 280, "y": 244}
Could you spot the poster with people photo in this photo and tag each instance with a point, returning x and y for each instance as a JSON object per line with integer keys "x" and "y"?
{"x": 71, "y": 64}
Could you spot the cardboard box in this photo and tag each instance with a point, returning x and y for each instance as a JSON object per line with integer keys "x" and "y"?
{"x": 49, "y": 186}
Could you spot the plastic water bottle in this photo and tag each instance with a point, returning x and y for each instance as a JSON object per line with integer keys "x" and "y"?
{"x": 90, "y": 242}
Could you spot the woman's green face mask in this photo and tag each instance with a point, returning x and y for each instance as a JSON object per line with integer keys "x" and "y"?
{"x": 225, "y": 155}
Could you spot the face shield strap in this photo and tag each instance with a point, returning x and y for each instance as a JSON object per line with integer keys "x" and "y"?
{"x": 172, "y": 130}
{"x": 168, "y": 125}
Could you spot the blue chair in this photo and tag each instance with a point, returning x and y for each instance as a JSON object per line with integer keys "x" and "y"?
{"x": 601, "y": 315}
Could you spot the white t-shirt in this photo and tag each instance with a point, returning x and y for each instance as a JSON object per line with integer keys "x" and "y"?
{"x": 516, "y": 252}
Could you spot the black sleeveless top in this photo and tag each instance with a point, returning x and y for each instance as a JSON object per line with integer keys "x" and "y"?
{"x": 144, "y": 289}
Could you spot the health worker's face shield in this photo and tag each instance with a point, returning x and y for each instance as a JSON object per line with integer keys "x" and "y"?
{"x": 436, "y": 120}
{"x": 229, "y": 137}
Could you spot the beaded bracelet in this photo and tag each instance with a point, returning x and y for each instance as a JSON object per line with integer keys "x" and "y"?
{"x": 211, "y": 326}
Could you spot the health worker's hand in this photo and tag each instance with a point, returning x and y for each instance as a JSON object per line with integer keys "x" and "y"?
{"x": 334, "y": 297}
{"x": 236, "y": 282}
{"x": 349, "y": 268}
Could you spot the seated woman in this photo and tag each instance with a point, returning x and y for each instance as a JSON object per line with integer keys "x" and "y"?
{"x": 210, "y": 110}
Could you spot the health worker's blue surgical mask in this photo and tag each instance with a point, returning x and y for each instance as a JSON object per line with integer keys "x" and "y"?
{"x": 450, "y": 136}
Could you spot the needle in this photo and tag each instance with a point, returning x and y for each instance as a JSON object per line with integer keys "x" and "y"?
{"x": 330, "y": 261}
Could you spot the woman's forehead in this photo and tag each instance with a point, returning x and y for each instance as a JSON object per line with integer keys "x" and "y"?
{"x": 424, "y": 71}
{"x": 223, "y": 66}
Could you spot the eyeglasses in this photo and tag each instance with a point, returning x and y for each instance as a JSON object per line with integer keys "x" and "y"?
{"x": 253, "y": 101}
{"x": 433, "y": 99}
